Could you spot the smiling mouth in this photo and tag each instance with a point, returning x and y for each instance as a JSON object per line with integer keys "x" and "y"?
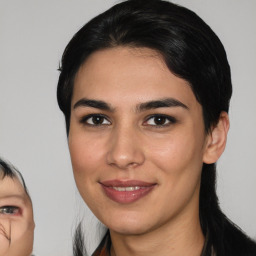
{"x": 125, "y": 192}
{"x": 127, "y": 188}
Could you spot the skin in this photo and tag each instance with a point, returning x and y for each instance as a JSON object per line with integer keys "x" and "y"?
{"x": 128, "y": 145}
{"x": 17, "y": 227}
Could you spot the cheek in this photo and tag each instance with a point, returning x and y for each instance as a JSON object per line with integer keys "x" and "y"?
{"x": 87, "y": 158}
{"x": 179, "y": 158}
{"x": 4, "y": 231}
{"x": 22, "y": 236}
{"x": 179, "y": 161}
{"x": 176, "y": 152}
{"x": 85, "y": 154}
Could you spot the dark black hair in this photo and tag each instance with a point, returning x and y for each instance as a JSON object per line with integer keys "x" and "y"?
{"x": 192, "y": 51}
{"x": 190, "y": 48}
{"x": 8, "y": 170}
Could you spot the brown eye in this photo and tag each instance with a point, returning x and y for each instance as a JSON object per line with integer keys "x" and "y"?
{"x": 95, "y": 120}
{"x": 160, "y": 120}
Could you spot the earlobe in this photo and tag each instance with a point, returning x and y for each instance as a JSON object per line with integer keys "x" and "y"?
{"x": 216, "y": 140}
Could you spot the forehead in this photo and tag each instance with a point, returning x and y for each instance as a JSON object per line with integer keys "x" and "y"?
{"x": 129, "y": 73}
{"x": 11, "y": 187}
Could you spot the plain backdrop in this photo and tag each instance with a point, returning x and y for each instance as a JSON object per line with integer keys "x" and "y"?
{"x": 33, "y": 35}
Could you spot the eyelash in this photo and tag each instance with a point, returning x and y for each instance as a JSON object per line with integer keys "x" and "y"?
{"x": 84, "y": 120}
{"x": 170, "y": 119}
{"x": 9, "y": 210}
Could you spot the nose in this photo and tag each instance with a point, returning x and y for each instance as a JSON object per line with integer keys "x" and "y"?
{"x": 125, "y": 149}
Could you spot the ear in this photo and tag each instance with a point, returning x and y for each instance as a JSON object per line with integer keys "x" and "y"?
{"x": 216, "y": 140}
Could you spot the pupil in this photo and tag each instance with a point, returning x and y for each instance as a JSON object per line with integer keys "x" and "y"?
{"x": 160, "y": 120}
{"x": 97, "y": 120}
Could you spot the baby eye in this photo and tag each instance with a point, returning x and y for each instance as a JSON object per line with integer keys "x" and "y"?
{"x": 9, "y": 210}
{"x": 95, "y": 120}
{"x": 160, "y": 120}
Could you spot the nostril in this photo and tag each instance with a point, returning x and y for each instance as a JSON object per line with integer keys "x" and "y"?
{"x": 125, "y": 162}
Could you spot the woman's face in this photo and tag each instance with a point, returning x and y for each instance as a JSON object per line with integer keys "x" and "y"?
{"x": 137, "y": 141}
{"x": 16, "y": 219}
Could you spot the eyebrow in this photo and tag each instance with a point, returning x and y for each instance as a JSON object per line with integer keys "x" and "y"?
{"x": 161, "y": 103}
{"x": 93, "y": 104}
{"x": 154, "y": 104}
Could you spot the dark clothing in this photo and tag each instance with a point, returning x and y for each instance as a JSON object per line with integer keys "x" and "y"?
{"x": 104, "y": 247}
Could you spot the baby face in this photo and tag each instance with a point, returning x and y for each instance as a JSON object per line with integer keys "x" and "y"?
{"x": 16, "y": 218}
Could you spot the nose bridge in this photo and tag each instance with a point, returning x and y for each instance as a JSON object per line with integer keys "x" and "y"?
{"x": 125, "y": 150}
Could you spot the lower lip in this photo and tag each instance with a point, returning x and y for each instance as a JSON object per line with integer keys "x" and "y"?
{"x": 125, "y": 197}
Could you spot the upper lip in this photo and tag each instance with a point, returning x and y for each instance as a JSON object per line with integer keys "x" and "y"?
{"x": 126, "y": 183}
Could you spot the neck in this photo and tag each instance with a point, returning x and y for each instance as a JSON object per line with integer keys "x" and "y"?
{"x": 182, "y": 236}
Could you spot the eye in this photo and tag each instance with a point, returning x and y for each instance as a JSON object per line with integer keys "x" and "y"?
{"x": 160, "y": 120}
{"x": 95, "y": 120}
{"x": 9, "y": 210}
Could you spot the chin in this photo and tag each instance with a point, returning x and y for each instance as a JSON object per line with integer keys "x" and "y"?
{"x": 128, "y": 230}
{"x": 128, "y": 225}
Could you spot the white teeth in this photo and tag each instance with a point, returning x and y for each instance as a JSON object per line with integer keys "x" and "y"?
{"x": 126, "y": 188}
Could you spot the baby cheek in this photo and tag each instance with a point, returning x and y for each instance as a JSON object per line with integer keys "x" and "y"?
{"x": 22, "y": 237}
{"x": 4, "y": 245}
{"x": 4, "y": 236}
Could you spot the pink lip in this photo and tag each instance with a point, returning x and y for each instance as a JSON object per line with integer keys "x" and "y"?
{"x": 125, "y": 197}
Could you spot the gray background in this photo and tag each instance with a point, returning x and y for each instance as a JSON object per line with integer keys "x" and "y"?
{"x": 33, "y": 34}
